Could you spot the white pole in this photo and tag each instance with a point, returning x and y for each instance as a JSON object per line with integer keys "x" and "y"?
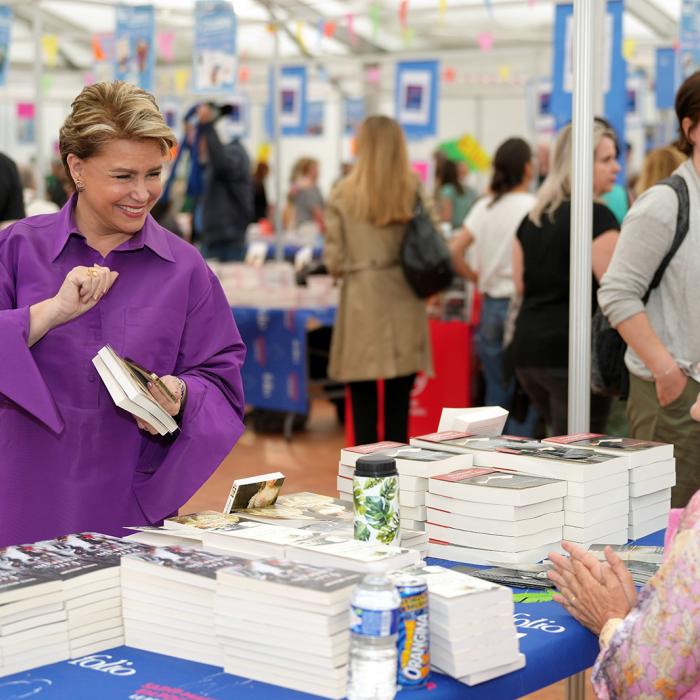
{"x": 277, "y": 133}
{"x": 581, "y": 219}
{"x": 40, "y": 160}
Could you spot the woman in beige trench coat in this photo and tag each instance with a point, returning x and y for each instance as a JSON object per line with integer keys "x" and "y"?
{"x": 381, "y": 329}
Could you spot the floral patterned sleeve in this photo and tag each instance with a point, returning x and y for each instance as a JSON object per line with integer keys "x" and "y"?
{"x": 655, "y": 652}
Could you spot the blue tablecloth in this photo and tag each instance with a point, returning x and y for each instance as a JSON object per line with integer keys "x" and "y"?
{"x": 275, "y": 374}
{"x": 555, "y": 645}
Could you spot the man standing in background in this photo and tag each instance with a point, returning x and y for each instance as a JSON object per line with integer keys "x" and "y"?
{"x": 226, "y": 206}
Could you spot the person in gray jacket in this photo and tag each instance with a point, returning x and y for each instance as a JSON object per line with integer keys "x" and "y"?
{"x": 663, "y": 337}
{"x": 226, "y": 206}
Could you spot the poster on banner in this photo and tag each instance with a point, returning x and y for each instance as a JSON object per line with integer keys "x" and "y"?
{"x": 315, "y": 117}
{"x": 292, "y": 106}
{"x": 689, "y": 37}
{"x": 103, "y": 57}
{"x": 215, "y": 62}
{"x": 171, "y": 110}
{"x": 134, "y": 45}
{"x": 5, "y": 30}
{"x": 235, "y": 123}
{"x": 416, "y": 97}
{"x": 25, "y": 123}
{"x": 353, "y": 114}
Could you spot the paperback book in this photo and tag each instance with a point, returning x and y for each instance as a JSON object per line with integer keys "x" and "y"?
{"x": 254, "y": 492}
{"x": 127, "y": 384}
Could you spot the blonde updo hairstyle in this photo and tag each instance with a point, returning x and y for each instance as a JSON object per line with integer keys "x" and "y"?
{"x": 110, "y": 111}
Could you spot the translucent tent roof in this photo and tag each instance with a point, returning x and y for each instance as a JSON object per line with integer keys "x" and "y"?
{"x": 361, "y": 27}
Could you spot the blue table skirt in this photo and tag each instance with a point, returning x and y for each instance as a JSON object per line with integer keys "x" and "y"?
{"x": 555, "y": 645}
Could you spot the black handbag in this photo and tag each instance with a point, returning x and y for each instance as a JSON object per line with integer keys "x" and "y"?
{"x": 609, "y": 374}
{"x": 425, "y": 257}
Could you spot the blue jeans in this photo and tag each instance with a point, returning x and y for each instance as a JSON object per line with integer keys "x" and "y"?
{"x": 489, "y": 340}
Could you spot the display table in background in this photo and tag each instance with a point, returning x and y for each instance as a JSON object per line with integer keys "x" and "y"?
{"x": 275, "y": 373}
{"x": 555, "y": 645}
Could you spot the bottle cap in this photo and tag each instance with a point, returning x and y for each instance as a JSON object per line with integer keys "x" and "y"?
{"x": 375, "y": 465}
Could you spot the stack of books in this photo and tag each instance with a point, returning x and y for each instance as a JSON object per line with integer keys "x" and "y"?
{"x": 286, "y": 623}
{"x": 651, "y": 472}
{"x": 90, "y": 574}
{"x": 415, "y": 466}
{"x": 33, "y": 627}
{"x": 596, "y": 507}
{"x": 485, "y": 648}
{"x": 168, "y": 595}
{"x": 485, "y": 516}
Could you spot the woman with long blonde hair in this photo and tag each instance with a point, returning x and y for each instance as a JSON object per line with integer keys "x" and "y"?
{"x": 381, "y": 330}
{"x": 541, "y": 275}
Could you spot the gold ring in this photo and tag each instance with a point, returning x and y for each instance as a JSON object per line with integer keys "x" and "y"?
{"x": 92, "y": 272}
{"x": 572, "y": 599}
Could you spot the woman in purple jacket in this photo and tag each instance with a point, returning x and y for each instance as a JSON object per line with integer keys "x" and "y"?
{"x": 103, "y": 272}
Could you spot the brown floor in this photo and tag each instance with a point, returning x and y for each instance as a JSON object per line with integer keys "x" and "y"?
{"x": 309, "y": 462}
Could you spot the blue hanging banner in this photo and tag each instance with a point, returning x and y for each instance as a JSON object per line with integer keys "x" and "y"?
{"x": 215, "y": 60}
{"x": 5, "y": 29}
{"x": 292, "y": 102}
{"x": 416, "y": 97}
{"x": 666, "y": 81}
{"x": 614, "y": 70}
{"x": 134, "y": 45}
{"x": 354, "y": 113}
{"x": 689, "y": 37}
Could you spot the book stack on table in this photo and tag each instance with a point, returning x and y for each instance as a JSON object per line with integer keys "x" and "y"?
{"x": 596, "y": 507}
{"x": 91, "y": 580}
{"x": 415, "y": 466}
{"x": 286, "y": 623}
{"x": 168, "y": 598}
{"x": 234, "y": 536}
{"x": 483, "y": 516}
{"x": 483, "y": 648}
{"x": 651, "y": 475}
{"x": 33, "y": 626}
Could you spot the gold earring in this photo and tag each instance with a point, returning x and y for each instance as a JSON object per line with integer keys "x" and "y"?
{"x": 80, "y": 186}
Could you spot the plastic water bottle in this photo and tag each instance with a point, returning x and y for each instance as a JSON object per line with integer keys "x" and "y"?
{"x": 373, "y": 637}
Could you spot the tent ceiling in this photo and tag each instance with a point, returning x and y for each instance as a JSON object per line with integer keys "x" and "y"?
{"x": 513, "y": 23}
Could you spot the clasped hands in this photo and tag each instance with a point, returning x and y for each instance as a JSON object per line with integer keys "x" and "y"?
{"x": 591, "y": 591}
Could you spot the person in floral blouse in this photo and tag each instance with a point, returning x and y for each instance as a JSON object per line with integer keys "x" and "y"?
{"x": 649, "y": 641}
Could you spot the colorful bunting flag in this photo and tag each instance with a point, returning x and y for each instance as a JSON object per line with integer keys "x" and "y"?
{"x": 166, "y": 45}
{"x": 329, "y": 29}
{"x": 49, "y": 48}
{"x": 485, "y": 40}
{"x": 375, "y": 18}
{"x": 403, "y": 13}
{"x": 182, "y": 79}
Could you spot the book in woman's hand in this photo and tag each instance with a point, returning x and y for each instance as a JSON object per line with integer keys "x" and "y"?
{"x": 128, "y": 387}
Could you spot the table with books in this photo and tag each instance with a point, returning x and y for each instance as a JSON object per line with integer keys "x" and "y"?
{"x": 263, "y": 594}
{"x": 232, "y": 634}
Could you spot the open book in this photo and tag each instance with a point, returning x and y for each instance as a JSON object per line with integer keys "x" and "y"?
{"x": 127, "y": 383}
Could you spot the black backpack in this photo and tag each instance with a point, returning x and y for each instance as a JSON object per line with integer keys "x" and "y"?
{"x": 609, "y": 375}
{"x": 425, "y": 257}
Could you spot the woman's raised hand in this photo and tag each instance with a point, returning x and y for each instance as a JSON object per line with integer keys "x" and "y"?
{"x": 82, "y": 288}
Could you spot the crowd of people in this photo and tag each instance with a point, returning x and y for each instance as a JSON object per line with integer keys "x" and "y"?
{"x": 90, "y": 267}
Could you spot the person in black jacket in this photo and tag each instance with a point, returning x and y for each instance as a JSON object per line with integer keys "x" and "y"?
{"x": 226, "y": 206}
{"x": 11, "y": 199}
